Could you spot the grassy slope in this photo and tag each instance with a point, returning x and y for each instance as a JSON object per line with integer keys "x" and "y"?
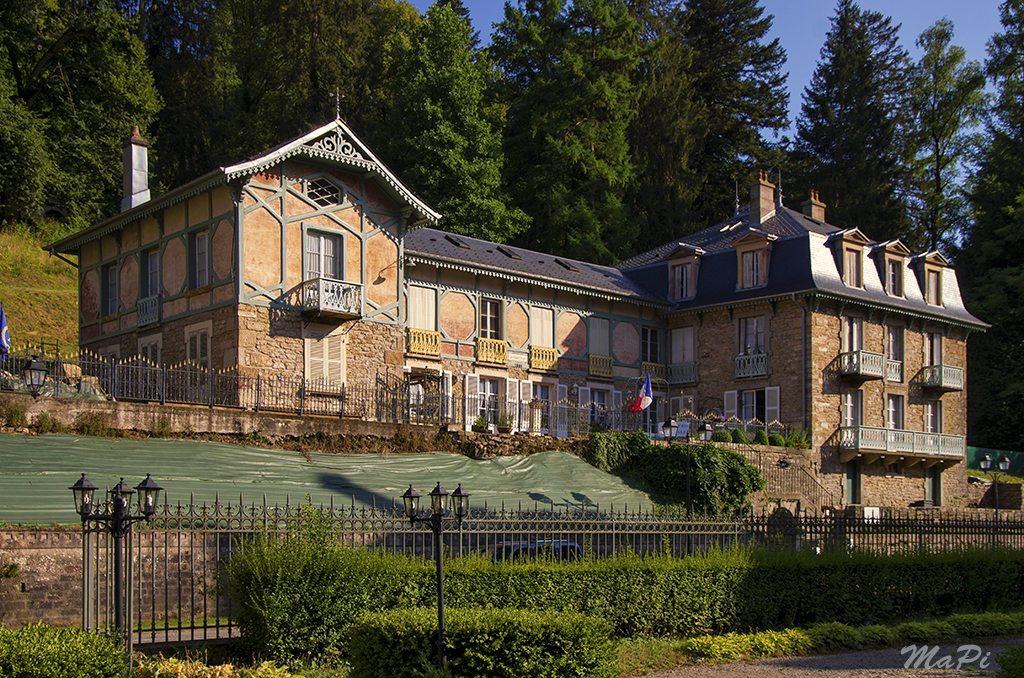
{"x": 39, "y": 292}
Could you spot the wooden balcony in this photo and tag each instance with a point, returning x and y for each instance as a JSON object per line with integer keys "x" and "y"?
{"x": 754, "y": 365}
{"x": 424, "y": 342}
{"x": 862, "y": 365}
{"x": 149, "y": 311}
{"x": 325, "y": 296}
{"x": 682, "y": 373}
{"x": 543, "y": 359}
{"x": 942, "y": 378}
{"x": 600, "y": 366}
{"x": 492, "y": 351}
{"x": 891, "y": 444}
{"x": 656, "y": 370}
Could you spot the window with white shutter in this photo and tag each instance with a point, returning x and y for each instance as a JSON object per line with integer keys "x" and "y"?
{"x": 325, "y": 357}
{"x": 542, "y": 331}
{"x": 771, "y": 405}
{"x": 599, "y": 337}
{"x": 729, "y": 404}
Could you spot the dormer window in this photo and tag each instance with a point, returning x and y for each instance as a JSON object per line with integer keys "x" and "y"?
{"x": 894, "y": 277}
{"x": 682, "y": 281}
{"x": 852, "y": 274}
{"x": 753, "y": 250}
{"x": 933, "y": 289}
{"x": 682, "y": 271}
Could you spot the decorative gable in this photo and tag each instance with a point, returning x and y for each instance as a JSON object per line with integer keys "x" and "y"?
{"x": 929, "y": 267}
{"x": 890, "y": 259}
{"x": 848, "y": 250}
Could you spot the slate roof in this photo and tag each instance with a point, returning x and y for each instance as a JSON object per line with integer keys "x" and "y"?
{"x": 802, "y": 262}
{"x": 428, "y": 245}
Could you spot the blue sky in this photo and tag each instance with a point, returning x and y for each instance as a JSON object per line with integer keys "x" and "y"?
{"x": 800, "y": 25}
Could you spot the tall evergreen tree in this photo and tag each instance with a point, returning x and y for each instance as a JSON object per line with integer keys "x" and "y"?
{"x": 447, "y": 150}
{"x": 850, "y": 143}
{"x": 568, "y": 76}
{"x": 666, "y": 132}
{"x": 739, "y": 86}
{"x": 73, "y": 79}
{"x": 991, "y": 264}
{"x": 947, "y": 100}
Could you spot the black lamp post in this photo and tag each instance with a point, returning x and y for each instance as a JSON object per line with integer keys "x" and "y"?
{"x": 35, "y": 375}
{"x": 439, "y": 497}
{"x": 118, "y": 522}
{"x": 1004, "y": 466}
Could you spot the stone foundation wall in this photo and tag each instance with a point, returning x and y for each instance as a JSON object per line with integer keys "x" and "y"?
{"x": 48, "y": 587}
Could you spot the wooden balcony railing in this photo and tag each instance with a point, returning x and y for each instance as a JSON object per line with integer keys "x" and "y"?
{"x": 862, "y": 364}
{"x": 682, "y": 373}
{"x": 942, "y": 377}
{"x": 543, "y": 359}
{"x": 601, "y": 366}
{"x": 425, "y": 342}
{"x": 656, "y": 370}
{"x": 899, "y": 441}
{"x": 492, "y": 351}
{"x": 149, "y": 310}
{"x": 332, "y": 297}
{"x": 755, "y": 365}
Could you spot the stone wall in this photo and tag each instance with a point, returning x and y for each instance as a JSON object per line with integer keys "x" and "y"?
{"x": 48, "y": 587}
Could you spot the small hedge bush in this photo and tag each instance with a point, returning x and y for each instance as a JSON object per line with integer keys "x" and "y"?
{"x": 761, "y": 437}
{"x": 41, "y": 651}
{"x": 739, "y": 436}
{"x": 776, "y": 440}
{"x": 483, "y": 644}
{"x": 721, "y": 436}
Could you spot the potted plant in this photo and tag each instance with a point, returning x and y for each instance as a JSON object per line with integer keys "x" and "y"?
{"x": 504, "y": 424}
{"x": 536, "y": 404}
{"x": 480, "y": 425}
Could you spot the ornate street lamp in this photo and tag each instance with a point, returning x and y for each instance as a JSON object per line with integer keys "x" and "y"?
{"x": 118, "y": 522}
{"x": 35, "y": 375}
{"x": 1004, "y": 466}
{"x": 439, "y": 501}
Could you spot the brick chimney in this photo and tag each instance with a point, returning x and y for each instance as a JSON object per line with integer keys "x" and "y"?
{"x": 813, "y": 207}
{"x": 762, "y": 199}
{"x": 135, "y": 155}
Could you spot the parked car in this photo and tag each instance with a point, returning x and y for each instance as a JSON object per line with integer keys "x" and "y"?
{"x": 551, "y": 549}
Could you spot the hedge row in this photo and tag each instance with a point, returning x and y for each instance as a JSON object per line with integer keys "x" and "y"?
{"x": 299, "y": 598}
{"x": 483, "y": 644}
{"x": 47, "y": 652}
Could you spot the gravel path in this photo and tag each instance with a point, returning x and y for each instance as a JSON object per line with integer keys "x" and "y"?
{"x": 868, "y": 664}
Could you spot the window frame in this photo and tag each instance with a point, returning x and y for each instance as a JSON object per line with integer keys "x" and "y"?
{"x": 932, "y": 348}
{"x": 111, "y": 303}
{"x": 852, "y": 408}
{"x": 199, "y": 257}
{"x": 852, "y": 338}
{"x": 752, "y": 265}
{"x": 894, "y": 277}
{"x": 150, "y": 272}
{"x": 932, "y": 416}
{"x": 933, "y": 297}
{"x": 318, "y": 192}
{"x": 490, "y": 318}
{"x": 320, "y": 236}
{"x": 853, "y": 267}
{"x": 593, "y": 334}
{"x": 895, "y": 412}
{"x": 760, "y": 334}
{"x": 650, "y": 344}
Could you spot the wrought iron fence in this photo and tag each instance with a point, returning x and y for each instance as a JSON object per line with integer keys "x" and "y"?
{"x": 177, "y": 563}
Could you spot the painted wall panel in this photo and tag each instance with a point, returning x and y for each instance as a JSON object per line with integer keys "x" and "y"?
{"x": 89, "y": 255}
{"x": 517, "y": 326}
{"x": 458, "y": 316}
{"x": 199, "y": 209}
{"x": 129, "y": 282}
{"x": 130, "y": 238}
{"x": 150, "y": 230}
{"x": 89, "y": 303}
{"x": 174, "y": 218}
{"x": 174, "y": 266}
{"x": 626, "y": 343}
{"x": 223, "y": 249}
{"x": 108, "y": 247}
{"x": 293, "y": 254}
{"x": 377, "y": 199}
{"x": 381, "y": 270}
{"x": 572, "y": 334}
{"x": 222, "y": 202}
{"x": 262, "y": 248}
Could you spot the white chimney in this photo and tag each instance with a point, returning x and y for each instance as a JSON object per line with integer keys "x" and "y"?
{"x": 136, "y": 170}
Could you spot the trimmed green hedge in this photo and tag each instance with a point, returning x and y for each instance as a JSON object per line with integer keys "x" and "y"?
{"x": 40, "y": 651}
{"x": 483, "y": 644}
{"x": 298, "y": 598}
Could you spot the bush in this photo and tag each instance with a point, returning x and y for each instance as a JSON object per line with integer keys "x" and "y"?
{"x": 483, "y": 643}
{"x": 798, "y": 439}
{"x": 740, "y": 436}
{"x": 161, "y": 428}
{"x": 776, "y": 440}
{"x": 92, "y": 424}
{"x": 721, "y": 436}
{"x": 40, "y": 651}
{"x": 14, "y": 413}
{"x": 612, "y": 451}
{"x": 47, "y": 423}
{"x": 761, "y": 437}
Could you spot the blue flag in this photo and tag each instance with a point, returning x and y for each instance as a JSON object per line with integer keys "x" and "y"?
{"x": 5, "y": 335}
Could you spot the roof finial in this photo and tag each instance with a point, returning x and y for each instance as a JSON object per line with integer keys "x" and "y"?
{"x": 736, "y": 209}
{"x": 337, "y": 103}
{"x": 780, "y": 188}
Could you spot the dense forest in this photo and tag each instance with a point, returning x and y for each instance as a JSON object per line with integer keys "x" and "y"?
{"x": 593, "y": 129}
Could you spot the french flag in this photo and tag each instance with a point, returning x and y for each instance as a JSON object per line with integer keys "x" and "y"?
{"x": 646, "y": 397}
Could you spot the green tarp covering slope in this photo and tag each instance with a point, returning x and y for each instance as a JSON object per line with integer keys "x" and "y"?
{"x": 35, "y": 472}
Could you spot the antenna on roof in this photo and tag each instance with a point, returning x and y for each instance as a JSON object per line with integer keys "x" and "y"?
{"x": 780, "y": 188}
{"x": 736, "y": 209}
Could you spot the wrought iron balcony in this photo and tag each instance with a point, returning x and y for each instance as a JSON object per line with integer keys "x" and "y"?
{"x": 149, "y": 310}
{"x": 942, "y": 378}
{"x": 332, "y": 297}
{"x": 601, "y": 366}
{"x": 425, "y": 342}
{"x": 682, "y": 373}
{"x": 859, "y": 439}
{"x": 754, "y": 365}
{"x": 492, "y": 351}
{"x": 862, "y": 365}
{"x": 543, "y": 359}
{"x": 656, "y": 370}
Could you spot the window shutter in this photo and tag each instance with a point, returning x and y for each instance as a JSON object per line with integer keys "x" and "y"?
{"x": 674, "y": 405}
{"x": 510, "y": 400}
{"x": 446, "y": 392}
{"x": 334, "y": 359}
{"x": 472, "y": 398}
{"x": 729, "y": 404}
{"x": 315, "y": 356}
{"x": 584, "y": 397}
{"x": 771, "y": 405}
